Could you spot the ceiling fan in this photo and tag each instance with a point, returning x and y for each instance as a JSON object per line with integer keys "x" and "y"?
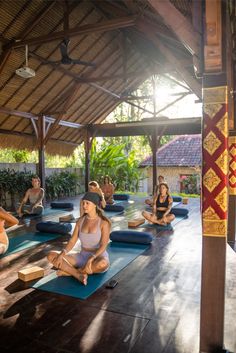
{"x": 65, "y": 59}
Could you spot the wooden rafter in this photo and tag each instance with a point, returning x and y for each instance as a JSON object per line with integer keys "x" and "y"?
{"x": 102, "y": 26}
{"x": 178, "y": 24}
{"x": 191, "y": 82}
{"x": 34, "y": 117}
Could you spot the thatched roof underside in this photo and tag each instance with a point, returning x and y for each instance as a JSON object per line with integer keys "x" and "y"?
{"x": 121, "y": 45}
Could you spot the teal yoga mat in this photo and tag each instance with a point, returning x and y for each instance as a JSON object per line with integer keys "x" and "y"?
{"x": 121, "y": 254}
{"x": 28, "y": 240}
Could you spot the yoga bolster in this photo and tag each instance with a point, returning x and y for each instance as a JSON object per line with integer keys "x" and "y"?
{"x": 131, "y": 236}
{"x": 178, "y": 211}
{"x": 114, "y": 208}
{"x": 62, "y": 205}
{"x": 54, "y": 227}
{"x": 124, "y": 197}
{"x": 177, "y": 198}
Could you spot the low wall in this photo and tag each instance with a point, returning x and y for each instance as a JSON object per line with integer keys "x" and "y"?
{"x": 171, "y": 175}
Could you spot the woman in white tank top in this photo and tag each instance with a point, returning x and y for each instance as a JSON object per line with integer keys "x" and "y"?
{"x": 11, "y": 221}
{"x": 93, "y": 230}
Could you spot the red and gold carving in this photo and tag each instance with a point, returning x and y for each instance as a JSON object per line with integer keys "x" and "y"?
{"x": 232, "y": 165}
{"x": 215, "y": 162}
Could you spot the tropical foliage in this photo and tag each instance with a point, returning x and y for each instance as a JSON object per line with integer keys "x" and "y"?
{"x": 63, "y": 184}
{"x": 113, "y": 161}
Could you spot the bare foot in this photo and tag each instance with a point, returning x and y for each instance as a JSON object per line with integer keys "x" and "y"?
{"x": 83, "y": 278}
{"x": 62, "y": 273}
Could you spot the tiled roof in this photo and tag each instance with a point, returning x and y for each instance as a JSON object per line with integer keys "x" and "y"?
{"x": 182, "y": 151}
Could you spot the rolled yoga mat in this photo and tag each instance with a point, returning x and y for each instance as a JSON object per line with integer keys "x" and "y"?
{"x": 54, "y": 227}
{"x": 124, "y": 197}
{"x": 63, "y": 205}
{"x": 114, "y": 208}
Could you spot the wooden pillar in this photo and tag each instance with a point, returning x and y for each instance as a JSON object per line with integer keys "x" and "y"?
{"x": 214, "y": 213}
{"x": 41, "y": 150}
{"x": 232, "y": 123}
{"x": 87, "y": 148}
{"x": 232, "y": 189}
{"x": 214, "y": 182}
{"x": 154, "y": 160}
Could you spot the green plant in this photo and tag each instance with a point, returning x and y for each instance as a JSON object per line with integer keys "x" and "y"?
{"x": 62, "y": 184}
{"x": 112, "y": 161}
{"x": 190, "y": 184}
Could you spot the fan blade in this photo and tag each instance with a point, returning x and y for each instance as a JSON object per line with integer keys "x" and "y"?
{"x": 64, "y": 47}
{"x": 81, "y": 62}
{"x": 46, "y": 62}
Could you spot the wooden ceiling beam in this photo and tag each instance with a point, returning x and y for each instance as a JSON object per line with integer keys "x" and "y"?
{"x": 194, "y": 85}
{"x": 102, "y": 26}
{"x": 178, "y": 24}
{"x": 31, "y": 116}
{"x": 178, "y": 126}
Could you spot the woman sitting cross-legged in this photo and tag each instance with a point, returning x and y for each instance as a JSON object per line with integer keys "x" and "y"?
{"x": 162, "y": 204}
{"x": 5, "y": 217}
{"x": 108, "y": 190}
{"x": 93, "y": 230}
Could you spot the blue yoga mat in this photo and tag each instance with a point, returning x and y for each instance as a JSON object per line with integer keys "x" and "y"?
{"x": 28, "y": 240}
{"x": 121, "y": 254}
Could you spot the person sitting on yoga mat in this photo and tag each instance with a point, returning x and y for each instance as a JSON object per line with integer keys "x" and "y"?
{"x": 162, "y": 204}
{"x": 160, "y": 179}
{"x": 35, "y": 196}
{"x": 11, "y": 221}
{"x": 108, "y": 189}
{"x": 93, "y": 186}
{"x": 93, "y": 231}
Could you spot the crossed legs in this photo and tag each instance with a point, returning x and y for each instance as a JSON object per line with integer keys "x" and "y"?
{"x": 152, "y": 218}
{"x": 68, "y": 266}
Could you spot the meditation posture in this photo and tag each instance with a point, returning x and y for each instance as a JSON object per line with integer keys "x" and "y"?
{"x": 108, "y": 190}
{"x": 162, "y": 204}
{"x": 93, "y": 231}
{"x": 11, "y": 221}
{"x": 160, "y": 179}
{"x": 35, "y": 197}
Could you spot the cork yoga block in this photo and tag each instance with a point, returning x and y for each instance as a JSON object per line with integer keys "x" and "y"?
{"x": 28, "y": 274}
{"x": 185, "y": 201}
{"x": 136, "y": 222}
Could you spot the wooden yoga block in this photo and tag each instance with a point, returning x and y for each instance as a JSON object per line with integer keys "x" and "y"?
{"x": 28, "y": 274}
{"x": 136, "y": 222}
{"x": 185, "y": 201}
